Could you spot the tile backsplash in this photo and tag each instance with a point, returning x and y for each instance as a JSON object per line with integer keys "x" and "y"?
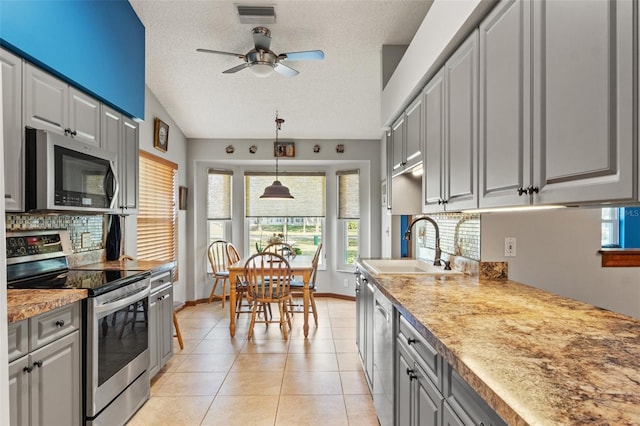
{"x": 75, "y": 224}
{"x": 459, "y": 234}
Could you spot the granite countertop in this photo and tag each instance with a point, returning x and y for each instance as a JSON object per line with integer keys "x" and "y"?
{"x": 536, "y": 358}
{"x": 23, "y": 304}
{"x": 155, "y": 266}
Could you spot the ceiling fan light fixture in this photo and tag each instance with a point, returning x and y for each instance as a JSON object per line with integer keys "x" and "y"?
{"x": 262, "y": 69}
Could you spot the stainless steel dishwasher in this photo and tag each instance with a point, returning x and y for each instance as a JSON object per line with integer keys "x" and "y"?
{"x": 383, "y": 359}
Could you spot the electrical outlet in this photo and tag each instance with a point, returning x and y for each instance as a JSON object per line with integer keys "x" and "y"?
{"x": 346, "y": 283}
{"x": 86, "y": 239}
{"x": 510, "y": 247}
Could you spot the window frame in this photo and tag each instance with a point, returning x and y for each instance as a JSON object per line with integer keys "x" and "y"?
{"x": 352, "y": 215}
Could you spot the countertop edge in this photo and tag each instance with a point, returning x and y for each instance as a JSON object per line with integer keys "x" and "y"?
{"x": 28, "y": 303}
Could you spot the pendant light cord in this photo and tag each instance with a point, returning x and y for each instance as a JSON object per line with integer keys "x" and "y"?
{"x": 279, "y": 122}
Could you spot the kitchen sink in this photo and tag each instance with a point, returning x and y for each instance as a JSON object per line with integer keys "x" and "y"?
{"x": 405, "y": 266}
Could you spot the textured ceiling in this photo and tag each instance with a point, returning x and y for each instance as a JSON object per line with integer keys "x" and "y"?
{"x": 336, "y": 98}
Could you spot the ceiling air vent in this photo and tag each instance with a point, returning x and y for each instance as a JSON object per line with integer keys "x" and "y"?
{"x": 256, "y": 14}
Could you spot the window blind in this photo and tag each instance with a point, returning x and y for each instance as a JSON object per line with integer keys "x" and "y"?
{"x": 157, "y": 212}
{"x": 308, "y": 190}
{"x": 348, "y": 194}
{"x": 219, "y": 195}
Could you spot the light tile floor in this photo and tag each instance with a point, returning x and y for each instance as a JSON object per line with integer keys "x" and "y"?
{"x": 217, "y": 380}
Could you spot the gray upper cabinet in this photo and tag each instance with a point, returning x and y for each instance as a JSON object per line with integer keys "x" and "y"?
{"x": 433, "y": 161}
{"x": 51, "y": 104}
{"x": 450, "y": 128}
{"x": 461, "y": 76}
{"x": 505, "y": 105}
{"x": 406, "y": 137}
{"x": 12, "y": 129}
{"x": 582, "y": 101}
{"x": 120, "y": 135}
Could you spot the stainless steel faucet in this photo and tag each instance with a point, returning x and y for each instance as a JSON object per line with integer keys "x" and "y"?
{"x": 407, "y": 235}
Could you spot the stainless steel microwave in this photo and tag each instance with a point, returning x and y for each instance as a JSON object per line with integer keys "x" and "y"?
{"x": 64, "y": 174}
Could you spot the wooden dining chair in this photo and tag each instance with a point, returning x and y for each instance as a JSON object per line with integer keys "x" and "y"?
{"x": 297, "y": 287}
{"x": 219, "y": 261}
{"x": 281, "y": 248}
{"x": 268, "y": 278}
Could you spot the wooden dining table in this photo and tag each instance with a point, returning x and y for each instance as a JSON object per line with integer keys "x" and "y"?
{"x": 300, "y": 266}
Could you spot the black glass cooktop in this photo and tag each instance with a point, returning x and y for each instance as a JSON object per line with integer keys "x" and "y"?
{"x": 96, "y": 282}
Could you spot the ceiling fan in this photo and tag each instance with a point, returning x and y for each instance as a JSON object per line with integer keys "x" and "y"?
{"x": 263, "y": 61}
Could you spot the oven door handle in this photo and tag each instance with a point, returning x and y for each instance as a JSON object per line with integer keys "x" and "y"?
{"x": 114, "y": 305}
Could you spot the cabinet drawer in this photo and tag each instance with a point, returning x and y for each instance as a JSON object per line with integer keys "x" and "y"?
{"x": 425, "y": 354}
{"x": 18, "y": 339}
{"x": 160, "y": 280}
{"x": 50, "y": 326}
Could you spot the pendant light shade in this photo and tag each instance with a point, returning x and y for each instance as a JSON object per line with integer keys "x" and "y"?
{"x": 277, "y": 190}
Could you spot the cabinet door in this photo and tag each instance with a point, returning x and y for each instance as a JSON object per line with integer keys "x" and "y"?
{"x": 55, "y": 382}
{"x": 433, "y": 104}
{"x": 129, "y": 159}
{"x": 583, "y": 102}
{"x": 505, "y": 105}
{"x": 19, "y": 392}
{"x": 428, "y": 401}
{"x": 154, "y": 351}
{"x": 449, "y": 417}
{"x": 12, "y": 131}
{"x": 166, "y": 318}
{"x": 110, "y": 130}
{"x": 461, "y": 81}
{"x": 398, "y": 140}
{"x": 404, "y": 365}
{"x": 84, "y": 117}
{"x": 413, "y": 133}
{"x": 46, "y": 101}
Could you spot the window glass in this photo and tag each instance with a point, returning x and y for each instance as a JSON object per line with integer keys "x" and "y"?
{"x": 611, "y": 226}
{"x": 348, "y": 218}
{"x": 219, "y": 204}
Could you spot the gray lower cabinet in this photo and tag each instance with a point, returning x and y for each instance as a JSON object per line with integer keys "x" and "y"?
{"x": 428, "y": 391}
{"x": 12, "y": 131}
{"x": 161, "y": 322}
{"x": 44, "y": 369}
{"x": 365, "y": 299}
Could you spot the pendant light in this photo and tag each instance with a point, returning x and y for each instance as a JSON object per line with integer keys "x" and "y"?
{"x": 277, "y": 190}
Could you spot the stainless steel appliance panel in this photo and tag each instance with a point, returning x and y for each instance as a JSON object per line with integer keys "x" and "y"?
{"x": 383, "y": 359}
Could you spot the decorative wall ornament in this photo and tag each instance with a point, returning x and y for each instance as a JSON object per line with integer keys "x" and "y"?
{"x": 253, "y": 149}
{"x": 161, "y": 135}
{"x": 340, "y": 149}
{"x": 316, "y": 148}
{"x": 284, "y": 149}
{"x": 230, "y": 149}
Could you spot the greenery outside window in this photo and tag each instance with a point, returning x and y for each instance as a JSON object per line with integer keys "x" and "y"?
{"x": 348, "y": 218}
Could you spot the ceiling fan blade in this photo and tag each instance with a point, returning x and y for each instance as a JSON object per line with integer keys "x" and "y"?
{"x": 236, "y": 69}
{"x": 307, "y": 55}
{"x": 285, "y": 70}
{"x": 261, "y": 38}
{"x": 217, "y": 52}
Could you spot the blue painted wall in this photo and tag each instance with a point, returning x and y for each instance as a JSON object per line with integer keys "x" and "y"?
{"x": 630, "y": 227}
{"x": 96, "y": 45}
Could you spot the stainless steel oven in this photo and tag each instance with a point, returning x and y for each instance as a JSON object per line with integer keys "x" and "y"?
{"x": 117, "y": 353}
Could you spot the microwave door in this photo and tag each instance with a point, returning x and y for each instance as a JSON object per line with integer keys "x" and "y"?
{"x": 112, "y": 185}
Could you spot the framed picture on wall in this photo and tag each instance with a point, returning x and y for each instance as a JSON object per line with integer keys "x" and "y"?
{"x": 161, "y": 135}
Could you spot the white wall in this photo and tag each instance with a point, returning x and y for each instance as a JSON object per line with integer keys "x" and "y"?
{"x": 557, "y": 251}
{"x": 177, "y": 153}
{"x": 202, "y": 154}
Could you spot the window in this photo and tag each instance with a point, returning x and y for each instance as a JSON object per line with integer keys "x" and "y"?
{"x": 219, "y": 205}
{"x": 611, "y": 227}
{"x": 157, "y": 215}
{"x": 348, "y": 218}
{"x": 299, "y": 222}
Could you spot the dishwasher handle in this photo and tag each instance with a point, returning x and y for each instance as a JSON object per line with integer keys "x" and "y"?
{"x": 383, "y": 311}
